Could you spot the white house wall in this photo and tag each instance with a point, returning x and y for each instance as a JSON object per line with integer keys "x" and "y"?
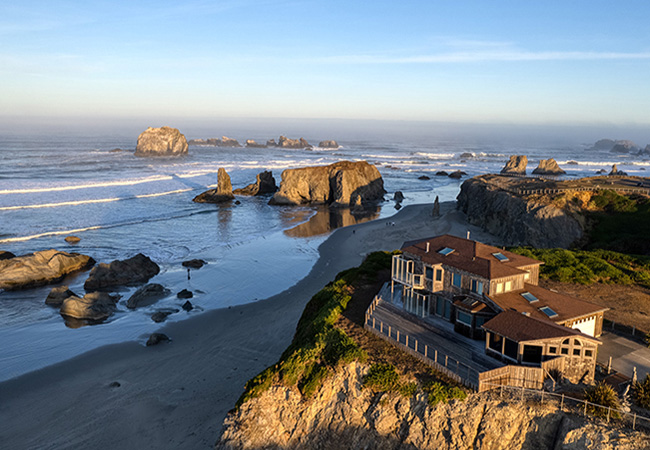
{"x": 587, "y": 326}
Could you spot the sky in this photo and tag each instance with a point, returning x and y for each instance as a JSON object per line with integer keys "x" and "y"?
{"x": 515, "y": 62}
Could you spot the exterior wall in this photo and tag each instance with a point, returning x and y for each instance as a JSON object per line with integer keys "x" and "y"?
{"x": 517, "y": 283}
{"x": 591, "y": 325}
{"x": 533, "y": 270}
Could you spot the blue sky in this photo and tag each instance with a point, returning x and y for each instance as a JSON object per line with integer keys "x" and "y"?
{"x": 552, "y": 62}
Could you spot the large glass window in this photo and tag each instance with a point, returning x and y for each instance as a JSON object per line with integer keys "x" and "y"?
{"x": 464, "y": 318}
{"x": 499, "y": 288}
{"x": 477, "y": 287}
{"x": 508, "y": 286}
{"x": 440, "y": 306}
{"x": 428, "y": 273}
{"x": 438, "y": 274}
{"x": 456, "y": 280}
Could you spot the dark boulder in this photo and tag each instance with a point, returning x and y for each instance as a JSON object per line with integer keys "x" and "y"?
{"x": 157, "y": 338}
{"x": 194, "y": 263}
{"x": 58, "y": 294}
{"x": 185, "y": 294}
{"x": 458, "y": 174}
{"x": 160, "y": 316}
{"x": 285, "y": 142}
{"x": 135, "y": 270}
{"x": 424, "y": 177}
{"x": 92, "y": 306}
{"x": 617, "y": 172}
{"x": 187, "y": 306}
{"x": 147, "y": 295}
{"x": 442, "y": 173}
{"x": 265, "y": 184}
{"x": 467, "y": 155}
{"x": 72, "y": 239}
{"x": 398, "y": 197}
{"x": 6, "y": 255}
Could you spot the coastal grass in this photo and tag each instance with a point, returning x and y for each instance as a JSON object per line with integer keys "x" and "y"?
{"x": 318, "y": 346}
{"x": 590, "y": 266}
{"x": 604, "y": 395}
{"x": 641, "y": 393}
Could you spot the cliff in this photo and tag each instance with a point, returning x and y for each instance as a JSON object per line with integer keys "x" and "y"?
{"x": 344, "y": 414}
{"x": 340, "y": 184}
{"x": 494, "y": 204}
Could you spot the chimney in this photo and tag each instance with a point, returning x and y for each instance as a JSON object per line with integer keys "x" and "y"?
{"x": 427, "y": 247}
{"x": 468, "y": 235}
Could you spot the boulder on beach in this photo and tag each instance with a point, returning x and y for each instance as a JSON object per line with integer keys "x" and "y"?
{"x": 157, "y": 338}
{"x": 92, "y": 306}
{"x": 222, "y": 193}
{"x": 6, "y": 255}
{"x": 194, "y": 263}
{"x": 164, "y": 141}
{"x": 398, "y": 197}
{"x": 442, "y": 173}
{"x": 135, "y": 270}
{"x": 184, "y": 294}
{"x": 285, "y": 142}
{"x": 40, "y": 268}
{"x": 548, "y": 167}
{"x": 343, "y": 183}
{"x": 328, "y": 144}
{"x": 58, "y": 294}
{"x": 147, "y": 295}
{"x": 160, "y": 316}
{"x": 424, "y": 177}
{"x": 72, "y": 239}
{"x": 516, "y": 165}
{"x": 187, "y": 306}
{"x": 458, "y": 174}
{"x": 264, "y": 184}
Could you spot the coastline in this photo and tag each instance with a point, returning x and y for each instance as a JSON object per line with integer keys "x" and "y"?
{"x": 177, "y": 395}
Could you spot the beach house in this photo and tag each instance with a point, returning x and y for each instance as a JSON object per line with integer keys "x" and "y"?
{"x": 492, "y": 294}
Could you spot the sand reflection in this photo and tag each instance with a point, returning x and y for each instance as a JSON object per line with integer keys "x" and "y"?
{"x": 327, "y": 219}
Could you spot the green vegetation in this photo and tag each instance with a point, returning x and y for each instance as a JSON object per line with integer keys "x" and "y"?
{"x": 602, "y": 394}
{"x": 641, "y": 393}
{"x": 382, "y": 378}
{"x": 439, "y": 392}
{"x": 318, "y": 347}
{"x": 590, "y": 266}
{"x": 622, "y": 223}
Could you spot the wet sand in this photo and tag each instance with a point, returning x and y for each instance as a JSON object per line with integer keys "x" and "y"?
{"x": 176, "y": 395}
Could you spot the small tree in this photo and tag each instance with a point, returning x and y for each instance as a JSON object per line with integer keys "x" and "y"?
{"x": 641, "y": 393}
{"x": 602, "y": 394}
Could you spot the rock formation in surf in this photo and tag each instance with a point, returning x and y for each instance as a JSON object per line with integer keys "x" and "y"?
{"x": 40, "y": 268}
{"x": 135, "y": 270}
{"x": 57, "y": 295}
{"x": 617, "y": 172}
{"x": 343, "y": 183}
{"x": 548, "y": 167}
{"x": 165, "y": 141}
{"x": 222, "y": 193}
{"x": 516, "y": 165}
{"x": 285, "y": 142}
{"x": 251, "y": 143}
{"x": 624, "y": 147}
{"x": 265, "y": 184}
{"x": 92, "y": 306}
{"x": 328, "y": 144}
{"x": 147, "y": 295}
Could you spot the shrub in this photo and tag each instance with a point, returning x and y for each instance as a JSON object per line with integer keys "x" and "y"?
{"x": 641, "y": 393}
{"x": 382, "y": 377}
{"x": 438, "y": 392}
{"x": 602, "y": 394}
{"x": 408, "y": 390}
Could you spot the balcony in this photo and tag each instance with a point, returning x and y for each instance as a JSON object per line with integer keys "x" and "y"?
{"x": 402, "y": 272}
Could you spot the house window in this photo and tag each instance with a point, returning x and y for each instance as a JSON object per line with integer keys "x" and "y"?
{"x": 499, "y": 288}
{"x": 576, "y": 352}
{"x": 438, "y": 274}
{"x": 552, "y": 350}
{"x": 495, "y": 342}
{"x": 526, "y": 276}
{"x": 588, "y": 353}
{"x": 456, "y": 280}
{"x": 477, "y": 287}
{"x": 428, "y": 273}
{"x": 508, "y": 287}
{"x": 480, "y": 320}
{"x": 565, "y": 351}
{"x": 464, "y": 318}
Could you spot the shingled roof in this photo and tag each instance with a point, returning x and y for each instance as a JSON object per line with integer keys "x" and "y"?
{"x": 470, "y": 256}
{"x": 520, "y": 328}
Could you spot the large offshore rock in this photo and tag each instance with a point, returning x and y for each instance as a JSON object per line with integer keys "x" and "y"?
{"x": 40, "y": 268}
{"x": 252, "y": 143}
{"x": 328, "y": 144}
{"x": 135, "y": 270}
{"x": 92, "y": 306}
{"x": 604, "y": 144}
{"x": 222, "y": 193}
{"x": 147, "y": 295}
{"x": 285, "y": 142}
{"x": 165, "y": 141}
{"x": 340, "y": 184}
{"x": 516, "y": 165}
{"x": 265, "y": 184}
{"x": 615, "y": 171}
{"x": 548, "y": 167}
{"x": 645, "y": 151}
{"x": 624, "y": 147}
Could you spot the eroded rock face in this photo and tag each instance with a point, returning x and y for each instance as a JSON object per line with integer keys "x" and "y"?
{"x": 93, "y": 306}
{"x": 285, "y": 142}
{"x": 516, "y": 165}
{"x": 40, "y": 268}
{"x": 57, "y": 295}
{"x": 135, "y": 270}
{"x": 328, "y": 144}
{"x": 265, "y": 184}
{"x": 164, "y": 141}
{"x": 222, "y": 193}
{"x": 516, "y": 220}
{"x": 548, "y": 167}
{"x": 147, "y": 295}
{"x": 340, "y": 184}
{"x": 344, "y": 415}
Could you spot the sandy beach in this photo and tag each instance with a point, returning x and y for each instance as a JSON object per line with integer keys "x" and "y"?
{"x": 176, "y": 395}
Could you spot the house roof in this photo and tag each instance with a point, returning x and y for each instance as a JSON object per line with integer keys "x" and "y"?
{"x": 470, "y": 256}
{"x": 566, "y": 307}
{"x": 520, "y": 328}
{"x": 471, "y": 304}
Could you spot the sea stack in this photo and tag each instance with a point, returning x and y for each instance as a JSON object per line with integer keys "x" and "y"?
{"x": 222, "y": 193}
{"x": 265, "y": 184}
{"x": 548, "y": 167}
{"x": 516, "y": 165}
{"x": 165, "y": 141}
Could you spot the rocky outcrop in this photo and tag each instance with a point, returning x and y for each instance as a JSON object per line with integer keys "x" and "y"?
{"x": 253, "y": 144}
{"x": 617, "y": 172}
{"x": 40, "y": 268}
{"x": 457, "y": 174}
{"x": 165, "y": 141}
{"x": 516, "y": 165}
{"x": 264, "y": 184}
{"x": 93, "y": 306}
{"x": 328, "y": 144}
{"x": 135, "y": 270}
{"x": 340, "y": 184}
{"x": 645, "y": 151}
{"x": 147, "y": 295}
{"x": 271, "y": 143}
{"x": 548, "y": 167}
{"x": 6, "y": 255}
{"x": 604, "y": 144}
{"x": 215, "y": 142}
{"x": 624, "y": 147}
{"x": 515, "y": 219}
{"x": 229, "y": 142}
{"x": 222, "y": 193}
{"x": 342, "y": 414}
{"x": 285, "y": 142}
{"x": 57, "y": 295}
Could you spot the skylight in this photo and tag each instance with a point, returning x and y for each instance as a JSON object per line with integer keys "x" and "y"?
{"x": 530, "y": 297}
{"x": 500, "y": 256}
{"x": 548, "y": 311}
{"x": 446, "y": 251}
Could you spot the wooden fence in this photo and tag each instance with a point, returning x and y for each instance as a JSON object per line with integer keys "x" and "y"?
{"x": 518, "y": 376}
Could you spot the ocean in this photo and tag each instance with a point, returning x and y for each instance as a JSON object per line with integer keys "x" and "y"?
{"x": 52, "y": 186}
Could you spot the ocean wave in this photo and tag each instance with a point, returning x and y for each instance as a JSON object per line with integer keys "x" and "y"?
{"x": 434, "y": 155}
